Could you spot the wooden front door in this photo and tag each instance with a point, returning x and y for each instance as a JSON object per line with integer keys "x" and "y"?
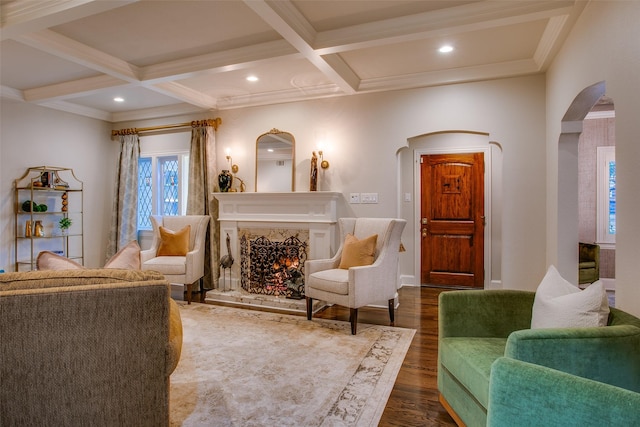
{"x": 452, "y": 219}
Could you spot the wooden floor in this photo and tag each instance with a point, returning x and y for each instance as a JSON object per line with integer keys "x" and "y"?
{"x": 414, "y": 399}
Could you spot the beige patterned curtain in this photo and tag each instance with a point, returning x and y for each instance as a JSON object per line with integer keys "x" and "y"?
{"x": 125, "y": 204}
{"x": 202, "y": 173}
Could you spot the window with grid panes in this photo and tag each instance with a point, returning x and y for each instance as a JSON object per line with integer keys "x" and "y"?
{"x": 606, "y": 196}
{"x": 162, "y": 186}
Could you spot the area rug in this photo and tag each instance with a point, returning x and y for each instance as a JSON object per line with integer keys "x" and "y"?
{"x": 251, "y": 368}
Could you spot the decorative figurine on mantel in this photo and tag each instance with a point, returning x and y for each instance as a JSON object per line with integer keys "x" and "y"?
{"x": 313, "y": 181}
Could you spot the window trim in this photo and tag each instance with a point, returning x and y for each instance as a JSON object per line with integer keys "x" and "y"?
{"x": 605, "y": 155}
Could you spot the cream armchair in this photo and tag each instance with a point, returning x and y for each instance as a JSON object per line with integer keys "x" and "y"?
{"x": 356, "y": 287}
{"x": 178, "y": 269}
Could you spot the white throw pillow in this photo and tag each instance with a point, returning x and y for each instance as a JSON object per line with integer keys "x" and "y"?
{"x": 559, "y": 304}
{"x": 127, "y": 258}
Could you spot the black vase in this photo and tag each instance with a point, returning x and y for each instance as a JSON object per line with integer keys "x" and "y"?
{"x": 224, "y": 181}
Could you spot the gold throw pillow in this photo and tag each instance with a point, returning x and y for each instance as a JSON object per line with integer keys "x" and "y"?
{"x": 174, "y": 243}
{"x": 356, "y": 252}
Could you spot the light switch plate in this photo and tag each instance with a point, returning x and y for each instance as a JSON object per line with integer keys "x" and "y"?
{"x": 369, "y": 198}
{"x": 354, "y": 198}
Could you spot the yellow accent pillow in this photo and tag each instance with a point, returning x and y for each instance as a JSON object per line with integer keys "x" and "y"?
{"x": 175, "y": 335}
{"x": 358, "y": 252}
{"x": 174, "y": 243}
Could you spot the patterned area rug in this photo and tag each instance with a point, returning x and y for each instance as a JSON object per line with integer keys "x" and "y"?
{"x": 250, "y": 368}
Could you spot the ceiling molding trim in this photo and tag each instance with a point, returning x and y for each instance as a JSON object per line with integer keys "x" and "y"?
{"x": 279, "y": 97}
{"x": 72, "y": 89}
{"x": 65, "y": 47}
{"x": 458, "y": 75}
{"x": 605, "y": 114}
{"x": 156, "y": 112}
{"x": 78, "y": 109}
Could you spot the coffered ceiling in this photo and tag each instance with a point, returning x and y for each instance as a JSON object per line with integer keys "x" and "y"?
{"x": 175, "y": 57}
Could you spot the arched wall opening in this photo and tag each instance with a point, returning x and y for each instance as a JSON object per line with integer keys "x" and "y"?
{"x": 409, "y": 195}
{"x": 568, "y": 206}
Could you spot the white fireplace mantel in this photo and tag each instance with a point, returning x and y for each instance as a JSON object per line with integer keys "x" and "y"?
{"x": 315, "y": 211}
{"x": 306, "y": 207}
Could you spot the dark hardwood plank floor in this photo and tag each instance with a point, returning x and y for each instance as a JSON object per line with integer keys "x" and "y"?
{"x": 414, "y": 399}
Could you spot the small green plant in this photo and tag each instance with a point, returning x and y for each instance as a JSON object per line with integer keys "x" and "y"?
{"x": 64, "y": 223}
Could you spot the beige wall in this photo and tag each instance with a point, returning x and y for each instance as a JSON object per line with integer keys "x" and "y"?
{"x": 366, "y": 132}
{"x": 603, "y": 46}
{"x": 36, "y": 136}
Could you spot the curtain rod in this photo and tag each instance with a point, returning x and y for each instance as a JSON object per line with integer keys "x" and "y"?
{"x": 196, "y": 123}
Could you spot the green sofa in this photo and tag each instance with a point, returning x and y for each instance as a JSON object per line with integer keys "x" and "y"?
{"x": 478, "y": 327}
{"x": 529, "y": 395}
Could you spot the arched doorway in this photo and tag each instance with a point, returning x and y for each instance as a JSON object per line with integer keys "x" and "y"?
{"x": 568, "y": 188}
{"x": 457, "y": 142}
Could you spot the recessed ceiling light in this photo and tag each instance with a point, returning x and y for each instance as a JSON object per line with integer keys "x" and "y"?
{"x": 252, "y": 78}
{"x": 118, "y": 99}
{"x": 446, "y": 49}
{"x": 270, "y": 150}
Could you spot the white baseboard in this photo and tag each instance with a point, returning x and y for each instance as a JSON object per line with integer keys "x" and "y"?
{"x": 495, "y": 284}
{"x": 408, "y": 280}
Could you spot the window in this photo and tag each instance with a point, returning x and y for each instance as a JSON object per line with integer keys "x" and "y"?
{"x": 606, "y": 196}
{"x": 162, "y": 186}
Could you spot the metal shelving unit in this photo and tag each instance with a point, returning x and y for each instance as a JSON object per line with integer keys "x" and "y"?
{"x": 54, "y": 193}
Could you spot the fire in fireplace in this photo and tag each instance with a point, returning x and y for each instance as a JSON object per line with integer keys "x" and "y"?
{"x": 273, "y": 267}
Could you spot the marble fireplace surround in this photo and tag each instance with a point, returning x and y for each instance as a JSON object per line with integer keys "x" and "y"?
{"x": 313, "y": 212}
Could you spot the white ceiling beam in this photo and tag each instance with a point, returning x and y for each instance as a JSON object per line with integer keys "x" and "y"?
{"x": 450, "y": 76}
{"x": 555, "y": 34}
{"x": 283, "y": 17}
{"x": 228, "y": 60}
{"x": 548, "y": 40}
{"x": 185, "y": 94}
{"x": 72, "y": 89}
{"x": 11, "y": 93}
{"x": 25, "y": 16}
{"x": 471, "y": 17}
{"x": 77, "y": 109}
{"x": 79, "y": 53}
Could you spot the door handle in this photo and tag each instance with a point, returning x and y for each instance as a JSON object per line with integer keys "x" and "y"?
{"x": 424, "y": 232}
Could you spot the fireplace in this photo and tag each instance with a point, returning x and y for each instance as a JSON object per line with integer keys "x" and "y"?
{"x": 273, "y": 267}
{"x": 280, "y": 231}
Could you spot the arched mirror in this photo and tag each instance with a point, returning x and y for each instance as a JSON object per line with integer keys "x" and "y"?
{"x": 275, "y": 152}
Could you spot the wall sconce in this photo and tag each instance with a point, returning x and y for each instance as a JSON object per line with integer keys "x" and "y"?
{"x": 324, "y": 164}
{"x": 234, "y": 168}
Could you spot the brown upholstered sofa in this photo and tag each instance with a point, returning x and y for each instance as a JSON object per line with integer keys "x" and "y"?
{"x": 86, "y": 347}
